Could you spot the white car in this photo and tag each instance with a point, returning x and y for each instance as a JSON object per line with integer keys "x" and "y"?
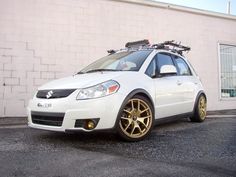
{"x": 126, "y": 90}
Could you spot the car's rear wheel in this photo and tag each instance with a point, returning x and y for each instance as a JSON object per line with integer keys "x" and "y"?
{"x": 200, "y": 109}
{"x": 136, "y": 119}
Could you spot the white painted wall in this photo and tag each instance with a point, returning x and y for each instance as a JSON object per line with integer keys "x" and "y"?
{"x": 41, "y": 40}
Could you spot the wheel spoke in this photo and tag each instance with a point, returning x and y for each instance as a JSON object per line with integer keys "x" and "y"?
{"x": 125, "y": 110}
{"x": 140, "y": 130}
{"x": 145, "y": 117}
{"x": 126, "y": 118}
{"x": 203, "y": 112}
{"x": 130, "y": 122}
{"x": 138, "y": 105}
{"x": 144, "y": 110}
{"x": 133, "y": 130}
{"x": 132, "y": 104}
{"x": 143, "y": 124}
{"x": 136, "y": 126}
{"x": 141, "y": 119}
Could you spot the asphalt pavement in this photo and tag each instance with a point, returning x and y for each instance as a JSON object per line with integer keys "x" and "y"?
{"x": 176, "y": 149}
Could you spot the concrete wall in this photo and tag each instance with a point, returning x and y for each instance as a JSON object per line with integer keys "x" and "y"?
{"x": 41, "y": 40}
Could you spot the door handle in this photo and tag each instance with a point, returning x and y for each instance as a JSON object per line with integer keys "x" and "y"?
{"x": 179, "y": 83}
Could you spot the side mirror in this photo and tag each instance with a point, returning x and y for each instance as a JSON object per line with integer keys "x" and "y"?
{"x": 168, "y": 69}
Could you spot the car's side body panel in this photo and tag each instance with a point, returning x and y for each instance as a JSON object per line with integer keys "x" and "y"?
{"x": 168, "y": 97}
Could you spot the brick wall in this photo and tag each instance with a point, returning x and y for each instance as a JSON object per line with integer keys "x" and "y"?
{"x": 41, "y": 40}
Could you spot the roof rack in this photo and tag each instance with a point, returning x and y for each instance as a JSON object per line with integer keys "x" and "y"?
{"x": 167, "y": 45}
{"x": 132, "y": 46}
{"x": 176, "y": 48}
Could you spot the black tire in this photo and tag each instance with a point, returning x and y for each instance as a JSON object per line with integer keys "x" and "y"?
{"x": 199, "y": 114}
{"x": 132, "y": 120}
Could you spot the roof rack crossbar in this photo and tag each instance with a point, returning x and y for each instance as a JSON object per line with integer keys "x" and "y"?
{"x": 144, "y": 44}
{"x": 177, "y": 48}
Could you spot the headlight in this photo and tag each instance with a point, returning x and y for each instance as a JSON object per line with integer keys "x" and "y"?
{"x": 100, "y": 90}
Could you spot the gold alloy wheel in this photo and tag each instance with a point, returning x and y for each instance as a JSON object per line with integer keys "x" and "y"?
{"x": 202, "y": 107}
{"x": 136, "y": 118}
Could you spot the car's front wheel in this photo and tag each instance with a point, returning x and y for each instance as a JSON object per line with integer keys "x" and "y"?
{"x": 136, "y": 119}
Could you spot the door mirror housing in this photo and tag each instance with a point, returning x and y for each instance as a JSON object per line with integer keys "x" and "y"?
{"x": 168, "y": 69}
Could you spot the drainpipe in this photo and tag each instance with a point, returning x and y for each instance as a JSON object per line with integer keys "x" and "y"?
{"x": 228, "y": 7}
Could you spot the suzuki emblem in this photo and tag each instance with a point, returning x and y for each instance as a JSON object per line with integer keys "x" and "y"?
{"x": 49, "y": 94}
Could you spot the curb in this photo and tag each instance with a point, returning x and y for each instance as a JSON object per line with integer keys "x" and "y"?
{"x": 10, "y": 121}
{"x": 222, "y": 112}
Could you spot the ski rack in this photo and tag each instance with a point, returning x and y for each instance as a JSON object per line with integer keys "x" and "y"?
{"x": 144, "y": 44}
{"x": 137, "y": 44}
{"x": 172, "y": 46}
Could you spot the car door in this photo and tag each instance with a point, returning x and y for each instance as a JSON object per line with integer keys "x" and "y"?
{"x": 187, "y": 85}
{"x": 167, "y": 90}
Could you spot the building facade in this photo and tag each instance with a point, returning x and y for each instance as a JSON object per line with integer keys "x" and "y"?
{"x": 41, "y": 40}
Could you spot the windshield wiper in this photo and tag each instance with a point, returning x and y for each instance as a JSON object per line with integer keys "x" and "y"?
{"x": 97, "y": 70}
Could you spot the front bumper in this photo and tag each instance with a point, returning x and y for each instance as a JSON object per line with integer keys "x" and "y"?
{"x": 105, "y": 108}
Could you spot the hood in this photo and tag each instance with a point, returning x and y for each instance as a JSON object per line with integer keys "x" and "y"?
{"x": 81, "y": 80}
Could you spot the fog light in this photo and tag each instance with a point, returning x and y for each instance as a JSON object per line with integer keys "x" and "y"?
{"x": 90, "y": 124}
{"x": 87, "y": 124}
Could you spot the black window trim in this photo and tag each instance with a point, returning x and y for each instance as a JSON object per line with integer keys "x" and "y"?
{"x": 174, "y": 57}
{"x": 154, "y": 58}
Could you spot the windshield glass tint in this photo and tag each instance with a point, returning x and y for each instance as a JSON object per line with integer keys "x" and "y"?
{"x": 122, "y": 61}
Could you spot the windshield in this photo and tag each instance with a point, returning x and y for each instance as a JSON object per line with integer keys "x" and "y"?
{"x": 122, "y": 61}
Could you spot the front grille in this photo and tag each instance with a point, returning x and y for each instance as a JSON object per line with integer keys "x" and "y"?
{"x": 57, "y": 93}
{"x": 46, "y": 118}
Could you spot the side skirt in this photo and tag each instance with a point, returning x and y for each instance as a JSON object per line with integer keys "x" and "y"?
{"x": 172, "y": 118}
